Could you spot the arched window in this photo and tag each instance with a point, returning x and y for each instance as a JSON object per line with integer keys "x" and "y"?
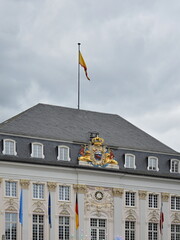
{"x": 37, "y": 150}
{"x": 9, "y": 147}
{"x": 175, "y": 166}
{"x": 153, "y": 163}
{"x": 63, "y": 153}
{"x": 129, "y": 161}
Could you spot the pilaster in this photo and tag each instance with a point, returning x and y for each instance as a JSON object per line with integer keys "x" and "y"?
{"x": 52, "y": 191}
{"x": 142, "y": 215}
{"x": 166, "y": 210}
{"x": 24, "y": 183}
{"x": 118, "y": 211}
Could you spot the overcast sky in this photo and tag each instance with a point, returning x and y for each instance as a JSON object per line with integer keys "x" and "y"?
{"x": 131, "y": 48}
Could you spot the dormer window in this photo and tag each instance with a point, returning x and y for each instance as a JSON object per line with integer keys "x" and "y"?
{"x": 63, "y": 153}
{"x": 9, "y": 147}
{"x": 37, "y": 150}
{"x": 129, "y": 161}
{"x": 175, "y": 166}
{"x": 153, "y": 163}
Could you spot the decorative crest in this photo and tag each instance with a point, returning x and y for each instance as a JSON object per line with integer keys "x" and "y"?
{"x": 97, "y": 155}
{"x": 97, "y": 141}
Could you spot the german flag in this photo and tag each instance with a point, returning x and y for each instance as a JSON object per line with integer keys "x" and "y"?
{"x": 77, "y": 212}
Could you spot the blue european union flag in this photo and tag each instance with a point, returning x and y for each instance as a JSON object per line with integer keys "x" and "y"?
{"x": 21, "y": 208}
{"x": 49, "y": 211}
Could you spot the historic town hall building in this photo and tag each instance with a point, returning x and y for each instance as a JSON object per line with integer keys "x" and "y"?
{"x": 123, "y": 178}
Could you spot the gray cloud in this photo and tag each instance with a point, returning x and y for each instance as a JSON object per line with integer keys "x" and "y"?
{"x": 130, "y": 47}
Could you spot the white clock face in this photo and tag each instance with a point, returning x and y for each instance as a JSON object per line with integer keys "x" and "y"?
{"x": 98, "y": 195}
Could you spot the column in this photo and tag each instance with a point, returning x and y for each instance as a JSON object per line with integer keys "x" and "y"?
{"x": 80, "y": 189}
{"x": 118, "y": 212}
{"x": 52, "y": 230}
{"x": 24, "y": 183}
{"x": 142, "y": 231}
{"x": 167, "y": 220}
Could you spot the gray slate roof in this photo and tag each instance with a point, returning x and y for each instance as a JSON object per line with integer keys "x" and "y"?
{"x": 67, "y": 124}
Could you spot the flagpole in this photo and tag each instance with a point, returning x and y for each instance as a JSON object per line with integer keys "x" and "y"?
{"x": 79, "y": 44}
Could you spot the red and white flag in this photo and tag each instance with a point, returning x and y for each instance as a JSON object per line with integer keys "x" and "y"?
{"x": 161, "y": 221}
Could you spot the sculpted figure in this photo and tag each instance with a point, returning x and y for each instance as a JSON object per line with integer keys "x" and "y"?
{"x": 109, "y": 158}
{"x": 86, "y": 157}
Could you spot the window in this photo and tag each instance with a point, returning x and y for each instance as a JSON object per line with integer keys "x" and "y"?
{"x": 129, "y": 230}
{"x": 152, "y": 231}
{"x": 38, "y": 227}
{"x": 38, "y": 191}
{"x": 63, "y": 153}
{"x": 64, "y": 193}
{"x": 64, "y": 228}
{"x": 175, "y": 232}
{"x": 153, "y": 200}
{"x": 129, "y": 161}
{"x": 10, "y": 189}
{"x": 175, "y": 203}
{"x": 11, "y": 226}
{"x": 9, "y": 147}
{"x": 175, "y": 166}
{"x": 153, "y": 163}
{"x": 98, "y": 229}
{"x": 37, "y": 150}
{"x": 130, "y": 199}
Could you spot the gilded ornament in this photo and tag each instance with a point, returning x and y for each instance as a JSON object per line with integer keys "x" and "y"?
{"x": 118, "y": 192}
{"x": 165, "y": 197}
{"x": 51, "y": 186}
{"x": 142, "y": 194}
{"x": 24, "y": 183}
{"x": 96, "y": 154}
{"x": 80, "y": 188}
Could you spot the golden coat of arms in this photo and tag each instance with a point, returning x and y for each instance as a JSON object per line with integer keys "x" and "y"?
{"x": 97, "y": 154}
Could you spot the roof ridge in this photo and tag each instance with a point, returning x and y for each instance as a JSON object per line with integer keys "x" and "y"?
{"x": 76, "y": 109}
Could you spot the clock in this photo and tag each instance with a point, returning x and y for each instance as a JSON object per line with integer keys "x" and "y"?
{"x": 99, "y": 195}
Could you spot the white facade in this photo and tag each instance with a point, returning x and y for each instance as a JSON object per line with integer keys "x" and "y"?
{"x": 101, "y": 195}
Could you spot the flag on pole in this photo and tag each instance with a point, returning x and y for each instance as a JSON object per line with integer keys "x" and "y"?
{"x": 77, "y": 212}
{"x": 161, "y": 221}
{"x": 49, "y": 210}
{"x": 83, "y": 64}
{"x": 21, "y": 208}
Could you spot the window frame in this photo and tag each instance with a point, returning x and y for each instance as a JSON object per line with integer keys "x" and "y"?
{"x": 172, "y": 169}
{"x": 154, "y": 232}
{"x": 11, "y": 224}
{"x": 98, "y": 228}
{"x": 150, "y": 166}
{"x": 62, "y": 147}
{"x": 175, "y": 205}
{"x": 128, "y": 231}
{"x": 64, "y": 226}
{"x": 33, "y": 144}
{"x": 154, "y": 202}
{"x": 5, "y": 152}
{"x": 40, "y": 192}
{"x": 129, "y": 162}
{"x": 38, "y": 224}
{"x": 64, "y": 193}
{"x": 175, "y": 233}
{"x": 11, "y": 190}
{"x": 131, "y": 200}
